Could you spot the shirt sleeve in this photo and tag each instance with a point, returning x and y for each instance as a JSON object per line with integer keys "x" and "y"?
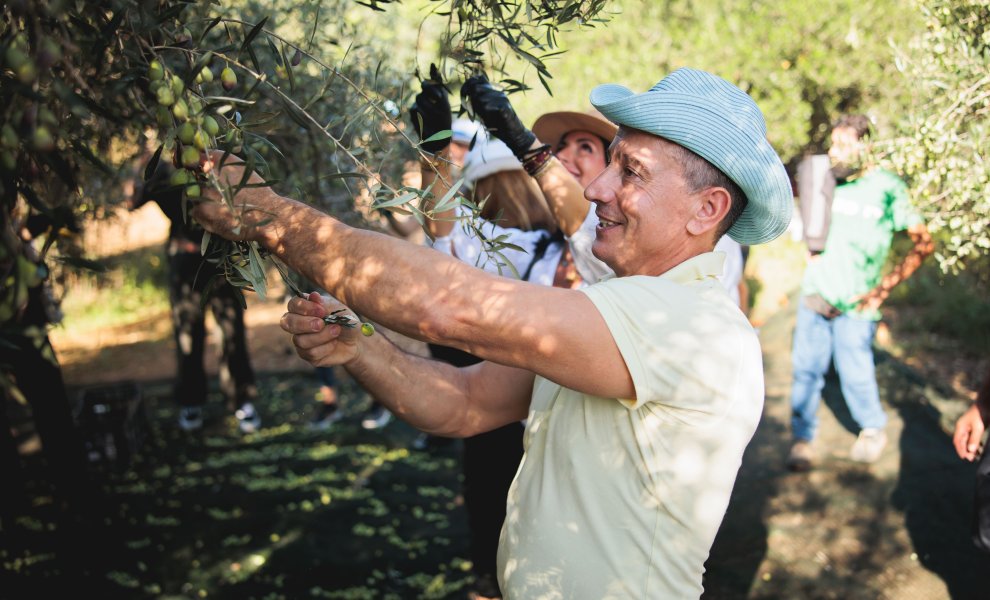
{"x": 683, "y": 345}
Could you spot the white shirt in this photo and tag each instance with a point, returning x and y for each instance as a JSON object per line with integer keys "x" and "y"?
{"x": 463, "y": 243}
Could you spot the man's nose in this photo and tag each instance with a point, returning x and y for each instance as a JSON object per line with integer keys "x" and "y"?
{"x": 602, "y": 187}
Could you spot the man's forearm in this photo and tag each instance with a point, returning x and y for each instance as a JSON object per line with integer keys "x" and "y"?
{"x": 922, "y": 248}
{"x": 425, "y": 393}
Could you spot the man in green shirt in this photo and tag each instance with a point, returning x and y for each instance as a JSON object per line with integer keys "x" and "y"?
{"x": 842, "y": 292}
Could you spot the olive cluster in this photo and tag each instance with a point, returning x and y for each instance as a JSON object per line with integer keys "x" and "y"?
{"x": 186, "y": 119}
{"x": 38, "y": 121}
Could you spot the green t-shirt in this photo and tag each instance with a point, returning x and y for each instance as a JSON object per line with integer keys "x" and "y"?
{"x": 865, "y": 214}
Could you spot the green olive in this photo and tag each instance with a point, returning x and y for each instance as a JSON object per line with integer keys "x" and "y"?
{"x": 177, "y": 86}
{"x": 228, "y": 78}
{"x": 367, "y": 329}
{"x": 155, "y": 71}
{"x": 180, "y": 177}
{"x": 205, "y": 75}
{"x": 27, "y": 72}
{"x": 15, "y": 57}
{"x": 163, "y": 116}
{"x": 210, "y": 125}
{"x": 190, "y": 157}
{"x": 8, "y": 137}
{"x": 201, "y": 140}
{"x": 193, "y": 191}
{"x": 180, "y": 109}
{"x": 165, "y": 96}
{"x": 42, "y": 139}
{"x": 186, "y": 132}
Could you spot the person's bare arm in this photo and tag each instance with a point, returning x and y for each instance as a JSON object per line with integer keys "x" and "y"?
{"x": 437, "y": 174}
{"x": 972, "y": 424}
{"x": 426, "y": 295}
{"x": 563, "y": 194}
{"x": 433, "y": 396}
{"x": 923, "y": 246}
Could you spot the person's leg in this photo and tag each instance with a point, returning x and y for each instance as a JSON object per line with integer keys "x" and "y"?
{"x": 189, "y": 332}
{"x": 490, "y": 463}
{"x": 853, "y": 349}
{"x": 236, "y": 375}
{"x": 810, "y": 356}
{"x": 328, "y": 411}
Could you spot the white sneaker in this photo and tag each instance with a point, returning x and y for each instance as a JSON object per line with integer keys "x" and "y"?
{"x": 868, "y": 446}
{"x": 190, "y": 418}
{"x": 376, "y": 418}
{"x": 248, "y": 419}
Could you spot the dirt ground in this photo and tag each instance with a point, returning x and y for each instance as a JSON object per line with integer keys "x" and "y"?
{"x": 895, "y": 529}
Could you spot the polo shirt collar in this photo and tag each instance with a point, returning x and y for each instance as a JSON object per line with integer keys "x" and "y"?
{"x": 697, "y": 268}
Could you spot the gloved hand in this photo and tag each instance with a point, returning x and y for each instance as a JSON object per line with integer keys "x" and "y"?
{"x": 430, "y": 112}
{"x": 492, "y": 106}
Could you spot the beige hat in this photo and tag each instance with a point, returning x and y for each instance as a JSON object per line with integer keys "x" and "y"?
{"x": 550, "y": 127}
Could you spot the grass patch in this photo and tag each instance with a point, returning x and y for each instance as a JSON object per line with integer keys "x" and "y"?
{"x": 284, "y": 513}
{"x": 133, "y": 288}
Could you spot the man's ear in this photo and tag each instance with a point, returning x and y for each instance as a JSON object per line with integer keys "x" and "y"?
{"x": 712, "y": 206}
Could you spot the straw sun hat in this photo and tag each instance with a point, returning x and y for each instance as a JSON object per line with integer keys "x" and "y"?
{"x": 722, "y": 124}
{"x": 550, "y": 127}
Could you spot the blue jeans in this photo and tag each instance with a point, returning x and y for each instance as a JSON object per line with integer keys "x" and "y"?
{"x": 847, "y": 341}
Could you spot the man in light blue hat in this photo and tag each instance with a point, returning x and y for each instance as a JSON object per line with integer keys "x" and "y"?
{"x": 640, "y": 392}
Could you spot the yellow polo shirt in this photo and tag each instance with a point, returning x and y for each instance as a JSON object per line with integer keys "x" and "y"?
{"x": 619, "y": 498}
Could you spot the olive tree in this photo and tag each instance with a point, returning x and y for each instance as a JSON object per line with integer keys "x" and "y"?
{"x": 306, "y": 93}
{"x": 941, "y": 141}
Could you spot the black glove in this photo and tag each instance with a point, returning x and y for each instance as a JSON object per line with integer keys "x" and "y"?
{"x": 430, "y": 113}
{"x": 492, "y": 106}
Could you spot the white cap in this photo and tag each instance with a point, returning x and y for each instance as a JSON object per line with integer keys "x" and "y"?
{"x": 488, "y": 156}
{"x": 462, "y": 130}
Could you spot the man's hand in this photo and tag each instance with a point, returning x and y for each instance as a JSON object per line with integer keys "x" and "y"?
{"x": 969, "y": 432}
{"x": 245, "y": 219}
{"x": 492, "y": 106}
{"x": 870, "y": 301}
{"x": 430, "y": 113}
{"x": 317, "y": 342}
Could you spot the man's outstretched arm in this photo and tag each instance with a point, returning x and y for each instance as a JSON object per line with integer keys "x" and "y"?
{"x": 426, "y": 295}
{"x": 433, "y": 396}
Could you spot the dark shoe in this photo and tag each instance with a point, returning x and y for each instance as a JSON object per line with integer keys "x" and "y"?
{"x": 326, "y": 415}
{"x": 800, "y": 457}
{"x": 190, "y": 418}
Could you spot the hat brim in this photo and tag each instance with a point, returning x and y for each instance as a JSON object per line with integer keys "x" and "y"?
{"x": 551, "y": 127}
{"x": 717, "y": 135}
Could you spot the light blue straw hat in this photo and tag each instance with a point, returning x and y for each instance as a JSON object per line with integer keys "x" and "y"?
{"x": 722, "y": 124}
